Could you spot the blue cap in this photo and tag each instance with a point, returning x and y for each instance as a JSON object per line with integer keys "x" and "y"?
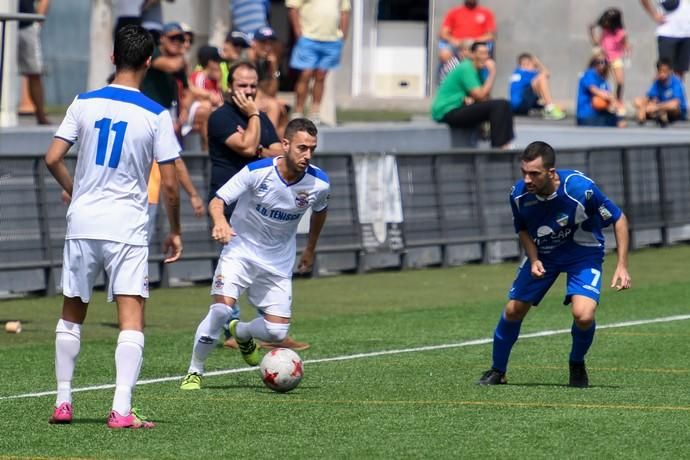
{"x": 170, "y": 27}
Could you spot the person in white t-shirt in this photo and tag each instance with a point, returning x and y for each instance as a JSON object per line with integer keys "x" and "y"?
{"x": 672, "y": 31}
{"x": 121, "y": 133}
{"x": 259, "y": 249}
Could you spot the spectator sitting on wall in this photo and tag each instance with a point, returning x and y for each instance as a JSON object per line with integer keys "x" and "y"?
{"x": 205, "y": 86}
{"x": 460, "y": 53}
{"x": 463, "y": 101}
{"x": 597, "y": 105}
{"x": 529, "y": 88}
{"x": 466, "y": 22}
{"x": 665, "y": 101}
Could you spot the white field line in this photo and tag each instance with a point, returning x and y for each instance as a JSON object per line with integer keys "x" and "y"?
{"x": 372, "y": 354}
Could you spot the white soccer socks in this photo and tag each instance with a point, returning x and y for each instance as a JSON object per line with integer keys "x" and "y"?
{"x": 129, "y": 355}
{"x": 67, "y": 345}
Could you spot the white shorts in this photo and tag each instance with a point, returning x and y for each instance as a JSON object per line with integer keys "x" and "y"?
{"x": 270, "y": 293}
{"x": 126, "y": 266}
{"x": 29, "y": 52}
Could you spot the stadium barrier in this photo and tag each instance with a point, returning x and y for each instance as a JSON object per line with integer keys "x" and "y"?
{"x": 388, "y": 210}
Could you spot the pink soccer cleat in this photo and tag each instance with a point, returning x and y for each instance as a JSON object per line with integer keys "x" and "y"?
{"x": 115, "y": 420}
{"x": 62, "y": 414}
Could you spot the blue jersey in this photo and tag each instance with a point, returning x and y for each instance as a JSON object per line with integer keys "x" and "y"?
{"x": 519, "y": 81}
{"x": 566, "y": 226}
{"x": 664, "y": 91}
{"x": 590, "y": 78}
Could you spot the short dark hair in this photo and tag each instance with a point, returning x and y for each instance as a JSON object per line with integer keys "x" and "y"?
{"x": 476, "y": 45}
{"x": 207, "y": 54}
{"x": 132, "y": 48}
{"x": 237, "y": 65}
{"x": 300, "y": 124}
{"x": 524, "y": 56}
{"x": 664, "y": 61}
{"x": 540, "y": 149}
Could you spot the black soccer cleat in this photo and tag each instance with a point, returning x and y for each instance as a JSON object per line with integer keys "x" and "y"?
{"x": 493, "y": 377}
{"x": 578, "y": 375}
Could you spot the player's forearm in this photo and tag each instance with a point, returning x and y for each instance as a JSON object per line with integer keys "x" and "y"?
{"x": 62, "y": 176}
{"x": 316, "y": 223}
{"x": 216, "y": 208}
{"x": 529, "y": 246}
{"x": 622, "y": 234}
{"x": 55, "y": 163}
{"x": 184, "y": 179}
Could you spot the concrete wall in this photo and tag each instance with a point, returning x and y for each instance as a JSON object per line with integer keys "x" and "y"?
{"x": 557, "y": 32}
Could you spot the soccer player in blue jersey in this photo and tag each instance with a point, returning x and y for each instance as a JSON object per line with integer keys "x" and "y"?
{"x": 558, "y": 215}
{"x": 121, "y": 133}
{"x": 259, "y": 245}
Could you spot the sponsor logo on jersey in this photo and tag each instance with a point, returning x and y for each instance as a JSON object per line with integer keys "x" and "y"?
{"x": 604, "y": 213}
{"x": 302, "y": 200}
{"x": 562, "y": 219}
{"x": 219, "y": 282}
{"x": 277, "y": 214}
{"x": 263, "y": 187}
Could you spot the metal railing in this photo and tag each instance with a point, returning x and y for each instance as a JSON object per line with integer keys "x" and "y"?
{"x": 454, "y": 206}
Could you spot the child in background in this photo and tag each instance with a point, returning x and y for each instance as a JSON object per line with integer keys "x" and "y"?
{"x": 529, "y": 88}
{"x": 613, "y": 41}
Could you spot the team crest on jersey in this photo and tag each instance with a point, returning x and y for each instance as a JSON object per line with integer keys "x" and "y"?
{"x": 588, "y": 194}
{"x": 219, "y": 282}
{"x": 302, "y": 200}
{"x": 263, "y": 187}
{"x": 604, "y": 213}
{"x": 562, "y": 219}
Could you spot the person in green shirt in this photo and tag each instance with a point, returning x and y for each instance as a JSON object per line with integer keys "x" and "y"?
{"x": 464, "y": 101}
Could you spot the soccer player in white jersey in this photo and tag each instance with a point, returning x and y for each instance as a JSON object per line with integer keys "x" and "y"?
{"x": 120, "y": 133}
{"x": 259, "y": 249}
{"x": 559, "y": 215}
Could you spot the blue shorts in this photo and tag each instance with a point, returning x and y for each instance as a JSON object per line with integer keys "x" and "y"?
{"x": 528, "y": 100}
{"x": 312, "y": 54}
{"x": 584, "y": 278}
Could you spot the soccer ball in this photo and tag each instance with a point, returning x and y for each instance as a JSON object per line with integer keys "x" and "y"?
{"x": 281, "y": 369}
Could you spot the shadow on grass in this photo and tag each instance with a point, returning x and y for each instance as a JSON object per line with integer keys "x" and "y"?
{"x": 558, "y": 385}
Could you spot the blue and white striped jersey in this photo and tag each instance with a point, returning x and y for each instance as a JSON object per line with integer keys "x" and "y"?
{"x": 120, "y": 133}
{"x": 269, "y": 209}
{"x": 566, "y": 226}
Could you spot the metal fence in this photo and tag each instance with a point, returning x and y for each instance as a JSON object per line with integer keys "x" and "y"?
{"x": 454, "y": 210}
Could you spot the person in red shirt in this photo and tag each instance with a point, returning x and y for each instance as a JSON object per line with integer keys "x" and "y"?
{"x": 466, "y": 22}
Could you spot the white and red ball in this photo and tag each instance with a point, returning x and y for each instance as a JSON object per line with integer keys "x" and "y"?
{"x": 281, "y": 369}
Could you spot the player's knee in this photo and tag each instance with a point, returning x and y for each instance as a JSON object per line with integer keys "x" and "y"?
{"x": 220, "y": 312}
{"x": 277, "y": 331}
{"x": 516, "y": 310}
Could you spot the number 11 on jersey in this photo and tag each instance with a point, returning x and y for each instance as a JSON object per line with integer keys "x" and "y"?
{"x": 104, "y": 127}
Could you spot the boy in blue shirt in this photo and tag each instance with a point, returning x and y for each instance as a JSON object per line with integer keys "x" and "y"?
{"x": 559, "y": 216}
{"x": 529, "y": 88}
{"x": 665, "y": 100}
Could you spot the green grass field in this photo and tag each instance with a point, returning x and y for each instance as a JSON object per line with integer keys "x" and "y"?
{"x": 417, "y": 401}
